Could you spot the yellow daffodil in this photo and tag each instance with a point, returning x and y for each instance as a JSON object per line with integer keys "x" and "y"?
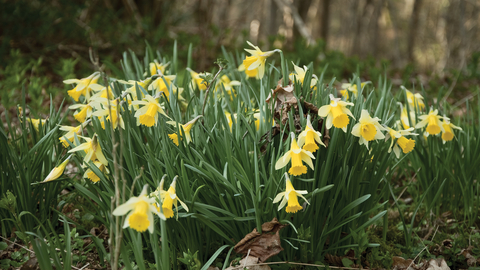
{"x": 71, "y": 131}
{"x": 132, "y": 91}
{"x": 103, "y": 112}
{"x": 57, "y": 171}
{"x": 141, "y": 210}
{"x": 84, "y": 113}
{"x": 336, "y": 113}
{"x": 92, "y": 175}
{"x": 432, "y": 121}
{"x": 83, "y": 87}
{"x": 404, "y": 117}
{"x": 414, "y": 100}
{"x": 447, "y": 134}
{"x": 399, "y": 141}
{"x": 310, "y": 137}
{"x": 92, "y": 150}
{"x": 227, "y": 85}
{"x": 101, "y": 92}
{"x": 163, "y": 84}
{"x": 157, "y": 68}
{"x": 351, "y": 87}
{"x": 169, "y": 198}
{"x": 299, "y": 75}
{"x": 368, "y": 129}
{"x": 148, "y": 114}
{"x": 256, "y": 61}
{"x": 297, "y": 156}
{"x": 290, "y": 196}
{"x": 197, "y": 81}
{"x": 36, "y": 123}
{"x": 186, "y": 130}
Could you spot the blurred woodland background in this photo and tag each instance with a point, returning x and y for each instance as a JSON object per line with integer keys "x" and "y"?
{"x": 411, "y": 40}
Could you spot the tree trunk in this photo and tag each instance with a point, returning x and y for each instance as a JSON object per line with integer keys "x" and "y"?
{"x": 325, "y": 21}
{"x": 413, "y": 35}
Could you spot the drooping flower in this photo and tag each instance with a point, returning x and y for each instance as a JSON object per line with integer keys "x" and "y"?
{"x": 297, "y": 156}
{"x": 404, "y": 117}
{"x": 310, "y": 137}
{"x": 256, "y": 61}
{"x": 447, "y": 134}
{"x": 92, "y": 175}
{"x": 157, "y": 68}
{"x": 336, "y": 113}
{"x": 84, "y": 113}
{"x": 290, "y": 196}
{"x": 83, "y": 87}
{"x": 197, "y": 81}
{"x": 92, "y": 149}
{"x": 71, "y": 131}
{"x": 399, "y": 141}
{"x": 299, "y": 75}
{"x": 368, "y": 129}
{"x": 168, "y": 198}
{"x": 351, "y": 87}
{"x": 432, "y": 121}
{"x": 108, "y": 110}
{"x": 414, "y": 100}
{"x": 148, "y": 114}
{"x": 186, "y": 130}
{"x": 141, "y": 210}
{"x": 57, "y": 171}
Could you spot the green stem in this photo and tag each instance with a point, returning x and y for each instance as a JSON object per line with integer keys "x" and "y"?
{"x": 284, "y": 69}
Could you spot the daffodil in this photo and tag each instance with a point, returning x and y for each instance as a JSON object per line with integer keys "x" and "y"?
{"x": 157, "y": 68}
{"x": 299, "y": 75}
{"x": 399, "y": 141}
{"x": 83, "y": 87}
{"x": 148, "y": 114}
{"x": 186, "y": 130}
{"x": 71, "y": 131}
{"x": 290, "y": 197}
{"x": 256, "y": 61}
{"x": 92, "y": 175}
{"x": 297, "y": 156}
{"x": 351, "y": 87}
{"x": 404, "y": 115}
{"x": 227, "y": 85}
{"x": 141, "y": 210}
{"x": 162, "y": 84}
{"x": 197, "y": 81}
{"x": 36, "y": 123}
{"x": 57, "y": 171}
{"x": 92, "y": 150}
{"x": 101, "y": 91}
{"x": 84, "y": 113}
{"x": 414, "y": 100}
{"x": 337, "y": 113}
{"x": 432, "y": 121}
{"x": 447, "y": 134}
{"x": 133, "y": 89}
{"x": 107, "y": 110}
{"x": 169, "y": 198}
{"x": 368, "y": 129}
{"x": 310, "y": 137}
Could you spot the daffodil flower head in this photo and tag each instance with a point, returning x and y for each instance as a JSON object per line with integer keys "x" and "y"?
{"x": 186, "y": 130}
{"x": 351, "y": 87}
{"x": 169, "y": 198}
{"x": 337, "y": 113}
{"x": 57, "y": 171}
{"x": 256, "y": 61}
{"x": 141, "y": 210}
{"x": 107, "y": 110}
{"x": 310, "y": 137}
{"x": 399, "y": 141}
{"x": 447, "y": 134}
{"x": 92, "y": 175}
{"x": 414, "y": 100}
{"x": 84, "y": 113}
{"x": 297, "y": 156}
{"x": 71, "y": 131}
{"x": 404, "y": 114}
{"x": 299, "y": 75}
{"x": 227, "y": 85}
{"x": 92, "y": 149}
{"x": 198, "y": 81}
{"x": 163, "y": 84}
{"x": 368, "y": 129}
{"x": 36, "y": 123}
{"x": 432, "y": 121}
{"x": 83, "y": 87}
{"x": 290, "y": 197}
{"x": 148, "y": 114}
{"x": 157, "y": 68}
